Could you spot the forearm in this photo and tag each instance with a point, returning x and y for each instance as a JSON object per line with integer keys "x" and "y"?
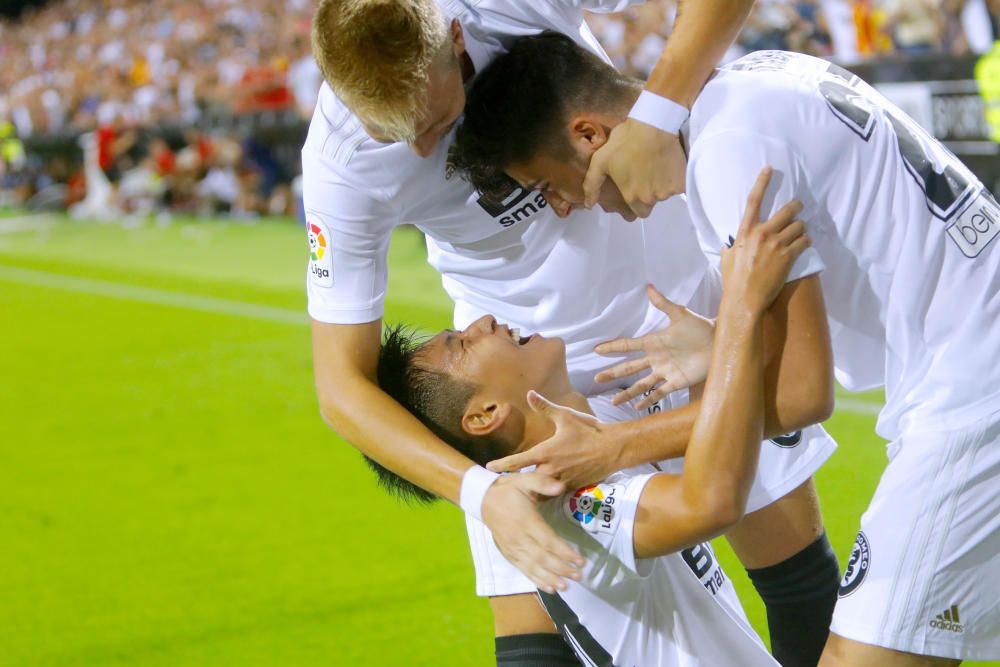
{"x": 722, "y": 454}
{"x": 710, "y": 495}
{"x": 703, "y": 32}
{"x": 665, "y": 435}
{"x": 345, "y": 359}
{"x": 363, "y": 415}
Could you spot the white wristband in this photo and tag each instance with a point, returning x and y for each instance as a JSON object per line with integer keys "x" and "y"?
{"x": 661, "y": 113}
{"x": 475, "y": 483}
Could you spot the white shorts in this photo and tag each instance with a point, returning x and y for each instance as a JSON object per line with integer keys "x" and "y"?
{"x": 924, "y": 574}
{"x": 785, "y": 464}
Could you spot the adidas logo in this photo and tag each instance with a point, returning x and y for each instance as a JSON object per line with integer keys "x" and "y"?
{"x": 949, "y": 621}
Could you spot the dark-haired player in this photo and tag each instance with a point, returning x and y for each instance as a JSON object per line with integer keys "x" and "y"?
{"x": 651, "y": 592}
{"x": 905, "y": 236}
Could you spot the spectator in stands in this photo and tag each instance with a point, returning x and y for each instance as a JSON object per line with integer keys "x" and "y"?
{"x": 914, "y": 25}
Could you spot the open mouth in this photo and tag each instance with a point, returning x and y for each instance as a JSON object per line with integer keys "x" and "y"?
{"x": 517, "y": 338}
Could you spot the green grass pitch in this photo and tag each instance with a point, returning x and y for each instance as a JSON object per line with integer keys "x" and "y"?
{"x": 168, "y": 493}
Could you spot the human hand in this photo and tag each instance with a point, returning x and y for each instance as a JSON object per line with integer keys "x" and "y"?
{"x": 510, "y": 511}
{"x": 677, "y": 357}
{"x": 755, "y": 268}
{"x": 581, "y": 451}
{"x": 646, "y": 163}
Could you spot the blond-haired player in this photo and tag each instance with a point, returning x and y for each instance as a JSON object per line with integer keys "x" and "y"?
{"x": 396, "y": 71}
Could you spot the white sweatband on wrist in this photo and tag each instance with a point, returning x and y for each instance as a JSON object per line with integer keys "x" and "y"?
{"x": 476, "y": 481}
{"x": 658, "y": 111}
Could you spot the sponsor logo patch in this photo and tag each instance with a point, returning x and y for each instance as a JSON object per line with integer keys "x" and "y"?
{"x": 320, "y": 258}
{"x": 977, "y": 226}
{"x": 948, "y": 621}
{"x": 593, "y": 507}
{"x": 857, "y": 566}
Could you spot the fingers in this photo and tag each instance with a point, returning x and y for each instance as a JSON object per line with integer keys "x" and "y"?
{"x": 545, "y": 558}
{"x": 542, "y": 485}
{"x": 754, "y": 201}
{"x": 640, "y": 208}
{"x": 785, "y": 216}
{"x": 623, "y": 370}
{"x": 596, "y": 175}
{"x": 792, "y": 232}
{"x": 516, "y": 462}
{"x": 637, "y": 389}
{"x": 798, "y": 246}
{"x": 655, "y": 396}
{"x": 663, "y": 304}
{"x": 620, "y": 346}
{"x": 540, "y": 404}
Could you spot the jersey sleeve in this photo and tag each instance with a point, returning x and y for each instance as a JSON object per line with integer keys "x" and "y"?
{"x": 722, "y": 170}
{"x": 348, "y": 232}
{"x": 600, "y": 519}
{"x": 602, "y": 6}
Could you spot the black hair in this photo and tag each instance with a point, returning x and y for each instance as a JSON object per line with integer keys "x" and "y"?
{"x": 518, "y": 104}
{"x": 437, "y": 399}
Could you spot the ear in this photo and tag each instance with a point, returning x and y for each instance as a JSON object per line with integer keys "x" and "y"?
{"x": 484, "y": 418}
{"x": 587, "y": 134}
{"x": 457, "y": 37}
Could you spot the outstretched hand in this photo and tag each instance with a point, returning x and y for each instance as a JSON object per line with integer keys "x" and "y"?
{"x": 647, "y": 165}
{"x": 581, "y": 451}
{"x": 510, "y": 511}
{"x": 677, "y": 357}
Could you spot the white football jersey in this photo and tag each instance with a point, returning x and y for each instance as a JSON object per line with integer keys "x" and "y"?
{"x": 581, "y": 279}
{"x": 904, "y": 230}
{"x": 678, "y": 610}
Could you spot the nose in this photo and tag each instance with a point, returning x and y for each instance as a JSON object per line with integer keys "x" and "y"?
{"x": 484, "y": 325}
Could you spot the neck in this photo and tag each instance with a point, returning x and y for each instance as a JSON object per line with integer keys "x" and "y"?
{"x": 538, "y": 428}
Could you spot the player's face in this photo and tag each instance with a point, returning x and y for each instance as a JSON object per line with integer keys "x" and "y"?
{"x": 560, "y": 179}
{"x": 496, "y": 358}
{"x": 445, "y": 101}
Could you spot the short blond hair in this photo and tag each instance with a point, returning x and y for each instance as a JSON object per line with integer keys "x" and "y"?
{"x": 377, "y": 54}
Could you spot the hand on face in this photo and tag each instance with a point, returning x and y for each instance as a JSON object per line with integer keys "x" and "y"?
{"x": 581, "y": 451}
{"x": 646, "y": 164}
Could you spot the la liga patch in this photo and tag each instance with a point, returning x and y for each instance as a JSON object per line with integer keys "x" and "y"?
{"x": 320, "y": 257}
{"x": 593, "y": 507}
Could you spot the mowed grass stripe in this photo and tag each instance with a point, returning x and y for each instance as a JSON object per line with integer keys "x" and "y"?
{"x": 115, "y": 290}
{"x": 219, "y": 306}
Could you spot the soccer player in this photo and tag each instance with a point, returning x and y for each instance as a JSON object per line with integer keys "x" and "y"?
{"x": 904, "y": 234}
{"x": 515, "y": 258}
{"x": 641, "y": 530}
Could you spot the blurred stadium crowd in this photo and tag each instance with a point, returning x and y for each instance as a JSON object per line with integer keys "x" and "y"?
{"x": 135, "y": 85}
{"x": 849, "y": 31}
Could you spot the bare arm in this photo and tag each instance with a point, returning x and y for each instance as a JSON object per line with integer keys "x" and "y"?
{"x": 798, "y": 381}
{"x": 676, "y": 511}
{"x": 646, "y": 163}
{"x": 345, "y": 357}
{"x": 703, "y": 32}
